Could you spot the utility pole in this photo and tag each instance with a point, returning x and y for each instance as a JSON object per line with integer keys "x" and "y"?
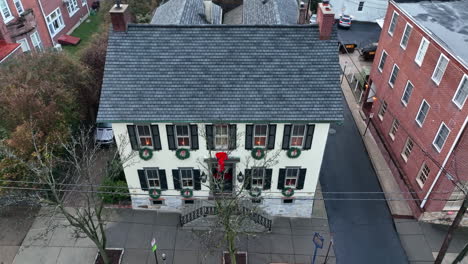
{"x": 452, "y": 228}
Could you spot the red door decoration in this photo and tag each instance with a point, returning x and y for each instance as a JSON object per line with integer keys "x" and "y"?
{"x": 222, "y": 157}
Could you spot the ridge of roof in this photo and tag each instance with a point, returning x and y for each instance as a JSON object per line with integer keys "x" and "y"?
{"x": 222, "y": 26}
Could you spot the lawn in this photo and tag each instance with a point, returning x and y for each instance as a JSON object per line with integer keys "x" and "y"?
{"x": 90, "y": 26}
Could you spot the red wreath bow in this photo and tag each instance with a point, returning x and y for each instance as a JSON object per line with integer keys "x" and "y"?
{"x": 222, "y": 157}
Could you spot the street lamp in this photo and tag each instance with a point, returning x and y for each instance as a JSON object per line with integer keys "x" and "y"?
{"x": 203, "y": 177}
{"x": 240, "y": 177}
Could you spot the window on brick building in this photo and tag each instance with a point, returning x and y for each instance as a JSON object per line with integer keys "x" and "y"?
{"x": 423, "y": 174}
{"x": 456, "y": 198}
{"x": 422, "y": 113}
{"x": 383, "y": 110}
{"x": 55, "y": 22}
{"x": 19, "y": 6}
{"x": 72, "y": 6}
{"x": 394, "y": 128}
{"x": 407, "y": 149}
{"x": 394, "y": 75}
{"x": 441, "y": 137}
{"x": 406, "y": 36}
{"x": 440, "y": 68}
{"x": 462, "y": 92}
{"x": 383, "y": 58}
{"x": 407, "y": 93}
{"x": 393, "y": 23}
{"x": 5, "y": 11}
{"x": 36, "y": 41}
{"x": 421, "y": 51}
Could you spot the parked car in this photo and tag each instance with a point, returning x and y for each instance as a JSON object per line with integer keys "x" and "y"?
{"x": 345, "y": 21}
{"x": 368, "y": 52}
{"x": 313, "y": 19}
{"x": 104, "y": 134}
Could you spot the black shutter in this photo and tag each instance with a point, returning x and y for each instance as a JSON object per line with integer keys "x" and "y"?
{"x": 281, "y": 178}
{"x": 248, "y": 179}
{"x": 209, "y": 137}
{"x": 286, "y": 136}
{"x": 248, "y": 136}
{"x": 267, "y": 182}
{"x": 193, "y": 137}
{"x": 171, "y": 137}
{"x": 232, "y": 136}
{"x": 143, "y": 182}
{"x": 156, "y": 138}
{"x": 300, "y": 181}
{"x": 196, "y": 178}
{"x": 271, "y": 136}
{"x": 132, "y": 136}
{"x": 309, "y": 136}
{"x": 163, "y": 179}
{"x": 176, "y": 178}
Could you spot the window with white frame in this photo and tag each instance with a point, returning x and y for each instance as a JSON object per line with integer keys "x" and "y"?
{"x": 5, "y": 11}
{"x": 393, "y": 23}
{"x": 297, "y": 135}
{"x": 19, "y": 6}
{"x": 407, "y": 149}
{"x": 182, "y": 135}
{"x": 383, "y": 58}
{"x": 260, "y": 135}
{"x": 186, "y": 178}
{"x": 221, "y": 136}
{"x": 258, "y": 177}
{"x": 462, "y": 92}
{"x": 407, "y": 93}
{"x": 406, "y": 36}
{"x": 72, "y": 6}
{"x": 382, "y": 110}
{"x": 441, "y": 137}
{"x": 421, "y": 51}
{"x": 55, "y": 21}
{"x": 36, "y": 41}
{"x": 144, "y": 136}
{"x": 423, "y": 174}
{"x": 292, "y": 175}
{"x": 456, "y": 198}
{"x": 394, "y": 128}
{"x": 422, "y": 113}
{"x": 394, "y": 75}
{"x": 439, "y": 69}
{"x": 152, "y": 176}
{"x": 24, "y": 45}
{"x": 361, "y": 6}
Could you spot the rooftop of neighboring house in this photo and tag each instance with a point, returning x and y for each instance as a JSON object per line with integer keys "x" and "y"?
{"x": 221, "y": 73}
{"x": 6, "y": 49}
{"x": 187, "y": 12}
{"x": 267, "y": 12}
{"x": 446, "y": 21}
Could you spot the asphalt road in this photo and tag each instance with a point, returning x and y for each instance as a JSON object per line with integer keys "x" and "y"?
{"x": 363, "y": 231}
{"x": 360, "y": 33}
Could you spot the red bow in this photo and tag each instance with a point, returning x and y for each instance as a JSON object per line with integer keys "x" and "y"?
{"x": 221, "y": 156}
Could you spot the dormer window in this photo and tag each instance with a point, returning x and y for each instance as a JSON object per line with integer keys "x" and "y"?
{"x": 144, "y": 136}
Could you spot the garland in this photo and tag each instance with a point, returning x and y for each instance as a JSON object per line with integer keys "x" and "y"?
{"x": 293, "y": 152}
{"x": 255, "y": 192}
{"x": 146, "y": 153}
{"x": 186, "y": 193}
{"x": 182, "y": 153}
{"x": 155, "y": 193}
{"x": 288, "y": 192}
{"x": 258, "y": 153}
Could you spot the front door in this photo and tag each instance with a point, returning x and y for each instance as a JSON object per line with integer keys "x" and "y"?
{"x": 223, "y": 182}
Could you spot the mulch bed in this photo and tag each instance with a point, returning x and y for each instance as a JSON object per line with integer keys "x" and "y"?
{"x": 241, "y": 258}
{"x": 113, "y": 254}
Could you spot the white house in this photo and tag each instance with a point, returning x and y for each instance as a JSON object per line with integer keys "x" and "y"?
{"x": 366, "y": 11}
{"x": 183, "y": 92}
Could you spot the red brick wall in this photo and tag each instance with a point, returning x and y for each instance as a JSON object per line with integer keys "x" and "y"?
{"x": 439, "y": 98}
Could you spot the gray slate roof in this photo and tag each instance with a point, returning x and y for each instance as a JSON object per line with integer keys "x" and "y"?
{"x": 221, "y": 73}
{"x": 270, "y": 12}
{"x": 446, "y": 20}
{"x": 185, "y": 12}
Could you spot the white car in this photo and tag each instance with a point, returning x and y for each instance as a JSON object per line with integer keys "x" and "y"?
{"x": 313, "y": 19}
{"x": 104, "y": 134}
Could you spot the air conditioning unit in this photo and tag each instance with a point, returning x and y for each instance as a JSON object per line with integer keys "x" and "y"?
{"x": 58, "y": 47}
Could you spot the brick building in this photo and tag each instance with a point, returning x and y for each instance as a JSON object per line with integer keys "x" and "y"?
{"x": 420, "y": 77}
{"x": 37, "y": 24}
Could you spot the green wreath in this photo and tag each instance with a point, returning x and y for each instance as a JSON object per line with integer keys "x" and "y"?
{"x": 258, "y": 153}
{"x": 146, "y": 153}
{"x": 154, "y": 193}
{"x": 293, "y": 152}
{"x": 255, "y": 192}
{"x": 288, "y": 192}
{"x": 186, "y": 193}
{"x": 182, "y": 153}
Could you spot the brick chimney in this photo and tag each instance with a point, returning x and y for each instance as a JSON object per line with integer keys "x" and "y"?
{"x": 325, "y": 19}
{"x": 120, "y": 17}
{"x": 303, "y": 13}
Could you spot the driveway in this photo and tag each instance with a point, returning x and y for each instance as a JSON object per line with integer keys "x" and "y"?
{"x": 363, "y": 231}
{"x": 360, "y": 33}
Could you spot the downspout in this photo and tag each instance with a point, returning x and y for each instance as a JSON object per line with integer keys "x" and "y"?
{"x": 445, "y": 162}
{"x": 45, "y": 22}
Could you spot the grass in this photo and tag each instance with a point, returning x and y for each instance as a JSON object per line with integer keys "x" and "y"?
{"x": 90, "y": 26}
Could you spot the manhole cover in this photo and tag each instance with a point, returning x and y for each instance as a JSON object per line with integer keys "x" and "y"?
{"x": 332, "y": 131}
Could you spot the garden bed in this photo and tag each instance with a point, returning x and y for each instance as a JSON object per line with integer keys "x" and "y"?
{"x": 115, "y": 256}
{"x": 241, "y": 258}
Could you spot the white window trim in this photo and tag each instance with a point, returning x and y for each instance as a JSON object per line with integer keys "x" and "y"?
{"x": 402, "y": 36}
{"x": 39, "y": 44}
{"x": 177, "y": 139}
{"x": 74, "y": 11}
{"x": 297, "y": 176}
{"x": 380, "y": 61}
{"x": 25, "y": 41}
{"x": 147, "y": 179}
{"x": 435, "y": 68}
{"x": 419, "y": 63}
{"x": 438, "y": 131}
{"x": 303, "y": 136}
{"x": 150, "y": 136}
{"x": 392, "y": 135}
{"x": 391, "y": 20}
{"x": 391, "y": 74}
{"x": 21, "y": 4}
{"x": 420, "y": 183}
{"x": 223, "y": 147}
{"x": 403, "y": 155}
{"x": 404, "y": 92}
{"x": 11, "y": 17}
{"x": 460, "y": 106}
{"x": 263, "y": 178}
{"x": 56, "y": 31}
{"x": 417, "y": 114}
{"x": 381, "y": 117}
{"x": 181, "y": 180}
{"x": 266, "y": 136}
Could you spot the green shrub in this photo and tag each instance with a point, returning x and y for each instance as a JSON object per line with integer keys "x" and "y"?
{"x": 118, "y": 191}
